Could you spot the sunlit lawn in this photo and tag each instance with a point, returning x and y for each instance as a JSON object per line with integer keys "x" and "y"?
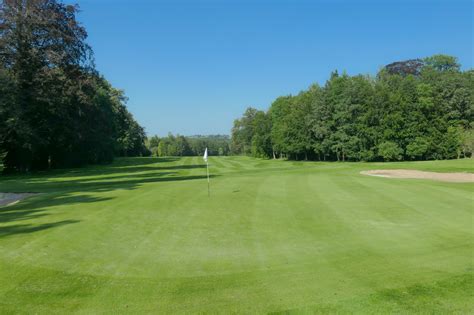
{"x": 142, "y": 236}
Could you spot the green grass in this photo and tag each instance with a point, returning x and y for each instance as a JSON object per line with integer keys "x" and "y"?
{"x": 142, "y": 236}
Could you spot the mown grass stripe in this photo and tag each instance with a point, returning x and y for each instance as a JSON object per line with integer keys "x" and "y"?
{"x": 144, "y": 237}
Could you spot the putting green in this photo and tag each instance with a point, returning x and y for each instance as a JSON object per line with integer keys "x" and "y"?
{"x": 142, "y": 236}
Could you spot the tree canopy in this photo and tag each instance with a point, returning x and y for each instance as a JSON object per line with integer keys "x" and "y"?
{"x": 416, "y": 109}
{"x": 178, "y": 145}
{"x": 56, "y": 110}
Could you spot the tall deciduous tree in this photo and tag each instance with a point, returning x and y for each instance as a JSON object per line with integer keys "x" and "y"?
{"x": 416, "y": 109}
{"x": 55, "y": 110}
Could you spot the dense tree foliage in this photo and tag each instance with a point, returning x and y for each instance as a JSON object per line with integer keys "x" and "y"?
{"x": 412, "y": 110}
{"x": 189, "y": 146}
{"x": 55, "y": 109}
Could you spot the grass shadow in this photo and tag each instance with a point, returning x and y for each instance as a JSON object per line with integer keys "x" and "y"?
{"x": 31, "y": 209}
{"x": 102, "y": 184}
{"x": 29, "y": 228}
{"x": 120, "y": 165}
{"x": 73, "y": 187}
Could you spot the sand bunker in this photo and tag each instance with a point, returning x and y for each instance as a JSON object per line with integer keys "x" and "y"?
{"x": 12, "y": 198}
{"x": 444, "y": 177}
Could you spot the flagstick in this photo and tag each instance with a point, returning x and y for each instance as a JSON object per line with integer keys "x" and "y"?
{"x": 207, "y": 168}
{"x": 208, "y": 188}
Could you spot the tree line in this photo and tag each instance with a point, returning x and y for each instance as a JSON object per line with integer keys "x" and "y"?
{"x": 419, "y": 109}
{"x": 178, "y": 145}
{"x": 56, "y": 110}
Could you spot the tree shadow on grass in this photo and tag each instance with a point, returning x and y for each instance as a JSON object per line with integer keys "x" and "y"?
{"x": 128, "y": 165}
{"x": 29, "y": 228}
{"x": 116, "y": 174}
{"x": 102, "y": 184}
{"x": 135, "y": 171}
{"x": 67, "y": 190}
{"x": 33, "y": 209}
{"x": 112, "y": 177}
{"x": 120, "y": 165}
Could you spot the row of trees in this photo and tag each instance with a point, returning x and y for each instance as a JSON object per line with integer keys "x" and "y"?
{"x": 412, "y": 110}
{"x": 189, "y": 146}
{"x": 55, "y": 109}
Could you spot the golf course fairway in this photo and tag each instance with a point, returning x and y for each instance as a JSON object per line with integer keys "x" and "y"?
{"x": 142, "y": 236}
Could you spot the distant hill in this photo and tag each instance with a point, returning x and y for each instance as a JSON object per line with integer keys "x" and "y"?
{"x": 216, "y": 137}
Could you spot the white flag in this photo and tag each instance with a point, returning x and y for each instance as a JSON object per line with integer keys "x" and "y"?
{"x": 205, "y": 155}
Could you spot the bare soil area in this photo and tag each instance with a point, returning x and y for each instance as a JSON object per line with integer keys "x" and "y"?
{"x": 444, "y": 177}
{"x": 11, "y": 198}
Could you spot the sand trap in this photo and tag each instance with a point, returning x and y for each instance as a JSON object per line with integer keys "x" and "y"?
{"x": 444, "y": 177}
{"x": 7, "y": 199}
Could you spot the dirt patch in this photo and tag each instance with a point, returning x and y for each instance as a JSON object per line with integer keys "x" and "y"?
{"x": 7, "y": 199}
{"x": 444, "y": 177}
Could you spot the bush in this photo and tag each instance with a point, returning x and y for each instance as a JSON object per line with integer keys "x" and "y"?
{"x": 390, "y": 151}
{"x": 418, "y": 148}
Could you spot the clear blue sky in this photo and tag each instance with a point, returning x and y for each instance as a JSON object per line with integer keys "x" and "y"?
{"x": 192, "y": 67}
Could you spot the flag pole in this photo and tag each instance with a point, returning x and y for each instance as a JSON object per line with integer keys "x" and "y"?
{"x": 207, "y": 169}
{"x": 208, "y": 188}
